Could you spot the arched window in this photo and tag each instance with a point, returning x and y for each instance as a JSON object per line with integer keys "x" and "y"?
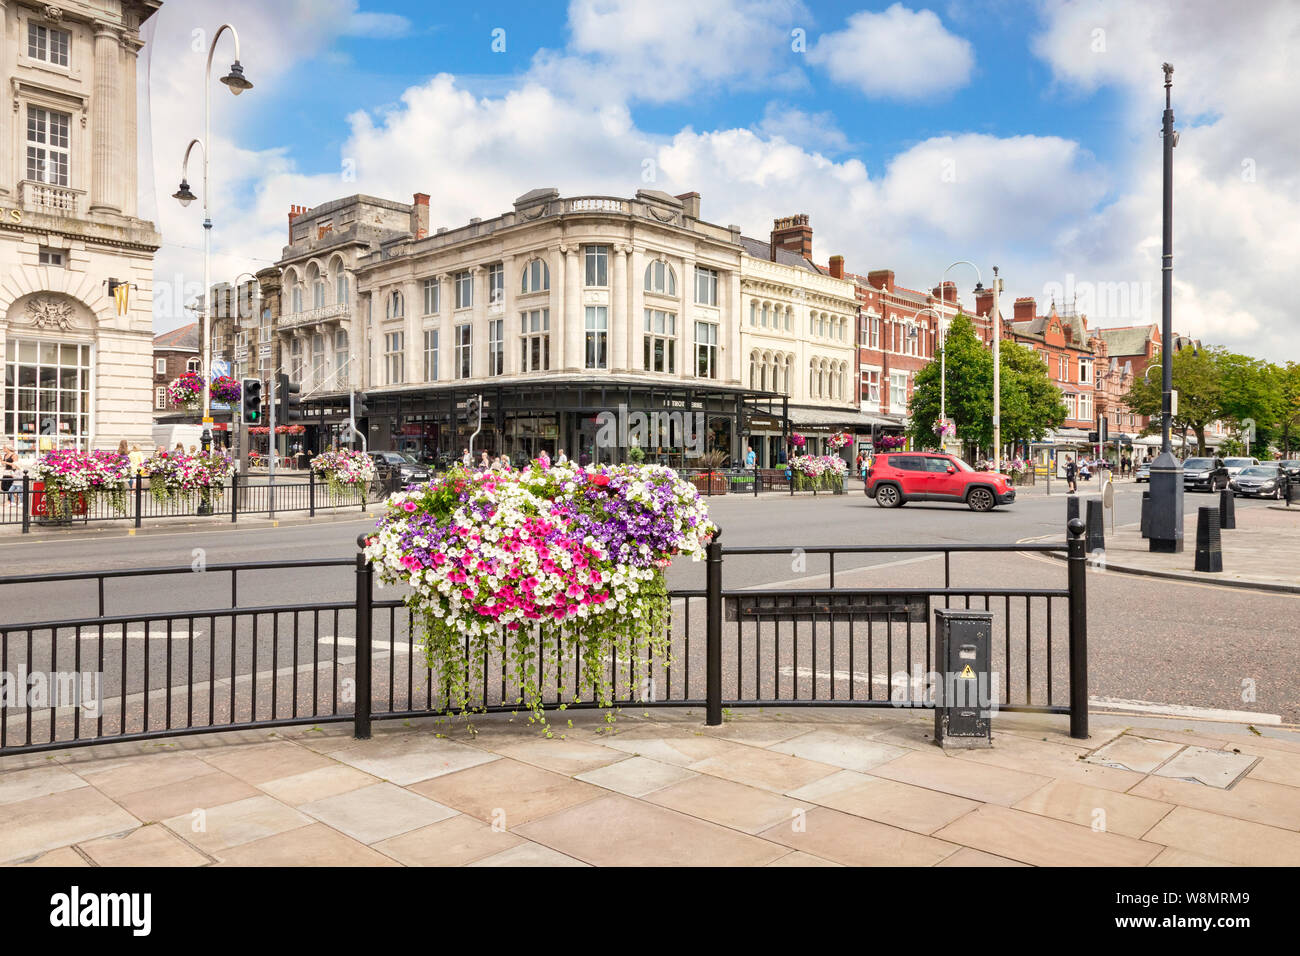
{"x": 812, "y": 379}
{"x": 295, "y": 298}
{"x": 788, "y": 312}
{"x": 766, "y": 307}
{"x": 753, "y": 369}
{"x": 753, "y": 313}
{"x": 318, "y": 294}
{"x": 341, "y": 288}
{"x": 396, "y": 305}
{"x": 660, "y": 278}
{"x": 536, "y": 278}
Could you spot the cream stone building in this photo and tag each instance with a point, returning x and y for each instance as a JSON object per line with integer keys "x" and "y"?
{"x": 797, "y": 339}
{"x": 77, "y": 359}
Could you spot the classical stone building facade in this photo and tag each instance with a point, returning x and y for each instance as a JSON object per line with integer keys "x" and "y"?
{"x": 78, "y": 359}
{"x": 556, "y": 313}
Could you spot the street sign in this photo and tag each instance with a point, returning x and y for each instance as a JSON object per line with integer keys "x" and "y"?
{"x": 220, "y": 367}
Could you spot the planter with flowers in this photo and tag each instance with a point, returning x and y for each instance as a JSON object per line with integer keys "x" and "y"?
{"x": 818, "y": 473}
{"x": 175, "y": 476}
{"x": 344, "y": 470}
{"x": 890, "y": 442}
{"x": 710, "y": 479}
{"x": 74, "y": 479}
{"x": 539, "y": 565}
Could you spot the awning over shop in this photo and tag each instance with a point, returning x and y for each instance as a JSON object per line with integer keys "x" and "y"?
{"x": 805, "y": 417}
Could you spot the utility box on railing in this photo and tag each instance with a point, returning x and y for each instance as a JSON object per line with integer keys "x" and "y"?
{"x": 964, "y": 692}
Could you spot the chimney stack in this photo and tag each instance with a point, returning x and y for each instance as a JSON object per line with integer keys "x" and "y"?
{"x": 1026, "y": 309}
{"x": 946, "y": 293}
{"x": 837, "y": 267}
{"x": 294, "y": 213}
{"x": 690, "y": 205}
{"x": 793, "y": 234}
{"x": 420, "y": 216}
{"x": 983, "y": 302}
{"x": 881, "y": 279}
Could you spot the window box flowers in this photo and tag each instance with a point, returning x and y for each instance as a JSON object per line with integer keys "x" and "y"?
{"x": 343, "y": 470}
{"x": 518, "y": 564}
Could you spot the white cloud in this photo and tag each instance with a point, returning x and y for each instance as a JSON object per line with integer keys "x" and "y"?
{"x": 382, "y": 26}
{"x": 1236, "y": 186}
{"x": 672, "y": 49}
{"x": 815, "y": 131}
{"x": 897, "y": 54}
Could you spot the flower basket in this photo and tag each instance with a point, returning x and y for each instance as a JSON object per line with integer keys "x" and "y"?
{"x": 842, "y": 440}
{"x": 891, "y": 442}
{"x": 561, "y": 563}
{"x": 344, "y": 470}
{"x": 225, "y": 389}
{"x": 74, "y": 480}
{"x": 818, "y": 473}
{"x": 175, "y": 476}
{"x": 186, "y": 391}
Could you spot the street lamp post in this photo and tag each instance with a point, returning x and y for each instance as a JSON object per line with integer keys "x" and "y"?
{"x": 1167, "y": 471}
{"x": 184, "y": 195}
{"x": 997, "y": 375}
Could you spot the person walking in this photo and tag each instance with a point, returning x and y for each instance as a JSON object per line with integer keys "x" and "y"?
{"x": 465, "y": 458}
{"x": 751, "y": 459}
{"x": 1072, "y": 476}
{"x": 9, "y": 474}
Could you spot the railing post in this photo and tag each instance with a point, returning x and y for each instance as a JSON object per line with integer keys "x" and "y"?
{"x": 1078, "y": 583}
{"x": 234, "y": 497}
{"x": 139, "y": 496}
{"x": 756, "y": 481}
{"x": 27, "y": 503}
{"x": 361, "y": 710}
{"x": 713, "y": 632}
{"x": 311, "y": 494}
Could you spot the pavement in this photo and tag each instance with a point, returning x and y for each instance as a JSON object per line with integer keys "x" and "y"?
{"x": 1262, "y": 551}
{"x": 820, "y": 787}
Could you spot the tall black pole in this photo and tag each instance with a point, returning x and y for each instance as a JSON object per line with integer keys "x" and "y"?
{"x": 1166, "y": 507}
{"x": 1167, "y": 272}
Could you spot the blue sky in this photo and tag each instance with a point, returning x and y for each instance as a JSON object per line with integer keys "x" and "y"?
{"x": 1021, "y": 133}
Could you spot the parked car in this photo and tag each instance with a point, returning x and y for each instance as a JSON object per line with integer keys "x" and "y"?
{"x": 1292, "y": 468}
{"x": 1235, "y": 465}
{"x": 1262, "y": 481}
{"x": 895, "y": 478}
{"x": 402, "y": 465}
{"x": 1205, "y": 474}
{"x": 1143, "y": 472}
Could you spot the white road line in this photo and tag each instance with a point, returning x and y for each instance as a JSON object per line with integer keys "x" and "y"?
{"x": 377, "y": 646}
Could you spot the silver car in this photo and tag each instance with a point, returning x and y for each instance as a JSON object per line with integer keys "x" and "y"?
{"x": 1264, "y": 481}
{"x": 1235, "y": 465}
{"x": 1143, "y": 472}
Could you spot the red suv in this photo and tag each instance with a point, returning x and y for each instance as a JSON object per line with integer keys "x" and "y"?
{"x": 896, "y": 478}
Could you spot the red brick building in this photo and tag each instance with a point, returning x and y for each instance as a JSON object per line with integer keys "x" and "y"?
{"x": 898, "y": 335}
{"x": 174, "y": 353}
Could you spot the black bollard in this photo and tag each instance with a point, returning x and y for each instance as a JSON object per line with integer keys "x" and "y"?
{"x": 1209, "y": 552}
{"x": 1071, "y": 508}
{"x": 1227, "y": 509}
{"x": 1146, "y": 514}
{"x": 1096, "y": 527}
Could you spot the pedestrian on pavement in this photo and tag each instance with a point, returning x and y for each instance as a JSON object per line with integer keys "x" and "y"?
{"x": 751, "y": 459}
{"x": 1072, "y": 476}
{"x": 9, "y": 473}
{"x": 465, "y": 459}
{"x": 484, "y": 463}
{"x": 561, "y": 458}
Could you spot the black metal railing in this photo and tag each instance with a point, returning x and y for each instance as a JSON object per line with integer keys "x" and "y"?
{"x": 218, "y": 664}
{"x": 27, "y": 505}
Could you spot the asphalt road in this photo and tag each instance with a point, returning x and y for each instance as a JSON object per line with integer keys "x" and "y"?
{"x": 1154, "y": 641}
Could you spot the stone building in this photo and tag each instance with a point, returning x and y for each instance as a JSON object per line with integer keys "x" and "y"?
{"x": 77, "y": 356}
{"x": 575, "y": 319}
{"x": 797, "y": 339}
{"x": 174, "y": 353}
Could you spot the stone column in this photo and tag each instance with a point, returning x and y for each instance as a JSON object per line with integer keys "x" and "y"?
{"x": 559, "y": 304}
{"x": 685, "y": 321}
{"x": 636, "y": 314}
{"x": 620, "y": 321}
{"x": 575, "y": 315}
{"x": 414, "y": 329}
{"x": 106, "y": 131}
{"x": 509, "y": 318}
{"x": 479, "y": 363}
{"x": 446, "y": 331}
{"x": 730, "y": 319}
{"x": 130, "y": 153}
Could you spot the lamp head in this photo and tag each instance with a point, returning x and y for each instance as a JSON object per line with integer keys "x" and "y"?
{"x": 235, "y": 79}
{"x": 184, "y": 195}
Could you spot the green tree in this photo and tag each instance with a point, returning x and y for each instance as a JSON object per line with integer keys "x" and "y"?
{"x": 970, "y": 387}
{"x": 1251, "y": 396}
{"x": 1031, "y": 404}
{"x": 1196, "y": 378}
{"x": 1288, "y": 409}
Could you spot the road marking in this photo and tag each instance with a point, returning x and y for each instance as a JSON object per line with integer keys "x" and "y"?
{"x": 1185, "y": 710}
{"x": 377, "y": 646}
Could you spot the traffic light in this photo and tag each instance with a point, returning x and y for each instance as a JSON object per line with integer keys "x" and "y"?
{"x": 472, "y": 407}
{"x": 250, "y": 396}
{"x": 360, "y": 409}
{"x": 289, "y": 400}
